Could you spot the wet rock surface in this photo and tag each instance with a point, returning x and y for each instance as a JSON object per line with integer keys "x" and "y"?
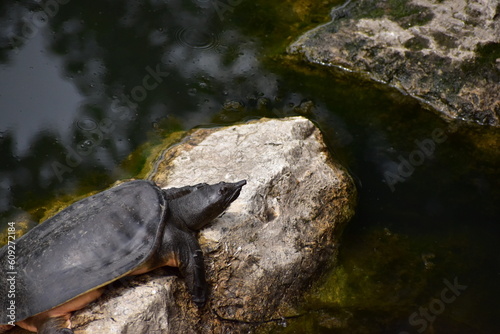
{"x": 262, "y": 253}
{"x": 446, "y": 53}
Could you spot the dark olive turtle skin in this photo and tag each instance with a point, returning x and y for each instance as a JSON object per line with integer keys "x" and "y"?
{"x": 64, "y": 263}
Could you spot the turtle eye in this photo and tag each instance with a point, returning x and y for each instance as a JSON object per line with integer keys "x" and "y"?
{"x": 222, "y": 190}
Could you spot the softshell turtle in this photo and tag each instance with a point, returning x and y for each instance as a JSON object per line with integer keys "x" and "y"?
{"x": 64, "y": 263}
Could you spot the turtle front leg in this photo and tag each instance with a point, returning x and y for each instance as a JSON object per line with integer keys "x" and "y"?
{"x": 180, "y": 249}
{"x": 55, "y": 326}
{"x": 193, "y": 270}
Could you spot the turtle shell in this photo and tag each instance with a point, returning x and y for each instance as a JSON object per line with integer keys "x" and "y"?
{"x": 87, "y": 245}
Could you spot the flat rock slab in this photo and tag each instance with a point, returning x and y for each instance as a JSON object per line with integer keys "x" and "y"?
{"x": 261, "y": 254}
{"x": 445, "y": 53}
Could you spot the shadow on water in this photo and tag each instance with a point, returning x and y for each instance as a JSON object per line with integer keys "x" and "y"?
{"x": 84, "y": 85}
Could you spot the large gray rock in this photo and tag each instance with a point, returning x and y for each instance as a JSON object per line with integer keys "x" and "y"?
{"x": 262, "y": 253}
{"x": 445, "y": 53}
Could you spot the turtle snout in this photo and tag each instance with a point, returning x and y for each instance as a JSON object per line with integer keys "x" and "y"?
{"x": 236, "y": 190}
{"x": 240, "y": 183}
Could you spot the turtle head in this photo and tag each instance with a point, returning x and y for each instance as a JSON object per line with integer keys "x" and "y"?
{"x": 205, "y": 202}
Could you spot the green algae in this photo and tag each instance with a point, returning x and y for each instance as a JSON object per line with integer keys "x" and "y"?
{"x": 404, "y": 12}
{"x": 488, "y": 53}
{"x": 417, "y": 43}
{"x": 444, "y": 40}
{"x": 277, "y": 24}
{"x": 385, "y": 275}
{"x": 408, "y": 14}
{"x": 363, "y": 281}
{"x": 140, "y": 163}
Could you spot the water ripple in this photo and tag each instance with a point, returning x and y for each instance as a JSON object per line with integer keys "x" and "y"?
{"x": 196, "y": 38}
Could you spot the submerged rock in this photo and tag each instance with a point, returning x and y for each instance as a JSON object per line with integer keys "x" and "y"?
{"x": 446, "y": 54}
{"x": 262, "y": 253}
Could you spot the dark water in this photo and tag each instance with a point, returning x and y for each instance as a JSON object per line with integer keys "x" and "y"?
{"x": 85, "y": 84}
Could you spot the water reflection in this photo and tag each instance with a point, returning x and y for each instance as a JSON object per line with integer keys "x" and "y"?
{"x": 94, "y": 79}
{"x": 34, "y": 96}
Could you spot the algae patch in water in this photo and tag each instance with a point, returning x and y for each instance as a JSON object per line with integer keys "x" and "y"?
{"x": 140, "y": 163}
{"x": 381, "y": 275}
{"x": 403, "y": 12}
{"x": 276, "y": 24}
{"x": 382, "y": 263}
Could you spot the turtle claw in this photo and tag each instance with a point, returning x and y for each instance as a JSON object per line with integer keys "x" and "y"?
{"x": 65, "y": 331}
{"x": 200, "y": 303}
